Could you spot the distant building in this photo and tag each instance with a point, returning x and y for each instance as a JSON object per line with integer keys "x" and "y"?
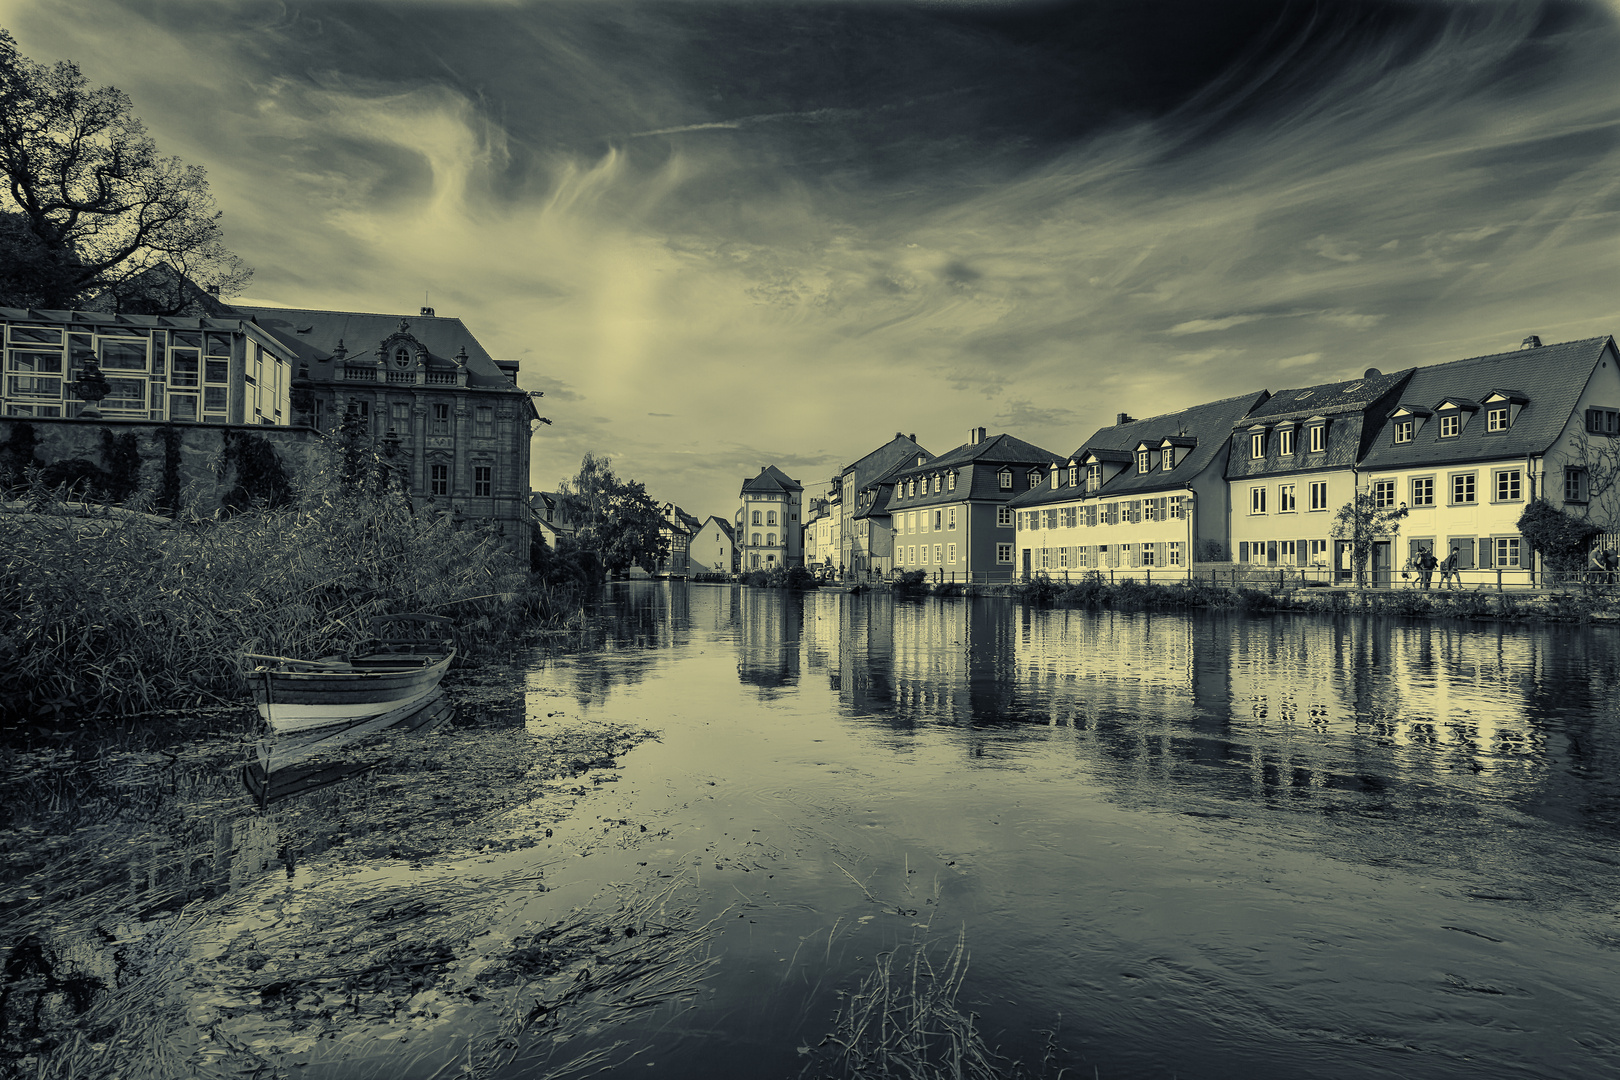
{"x": 1146, "y": 494}
{"x": 952, "y": 515}
{"x": 853, "y": 550}
{"x": 678, "y": 529}
{"x": 768, "y": 532}
{"x": 713, "y": 548}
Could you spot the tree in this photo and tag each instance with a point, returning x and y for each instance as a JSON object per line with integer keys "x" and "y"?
{"x": 1362, "y": 521}
{"x": 614, "y": 519}
{"x": 90, "y": 208}
{"x": 1562, "y": 541}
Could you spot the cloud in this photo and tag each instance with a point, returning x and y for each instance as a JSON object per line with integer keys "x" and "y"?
{"x": 1205, "y": 326}
{"x": 1351, "y": 320}
{"x": 1302, "y": 360}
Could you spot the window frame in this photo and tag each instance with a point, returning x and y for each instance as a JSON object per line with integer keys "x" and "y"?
{"x": 1286, "y": 437}
{"x": 1452, "y": 481}
{"x": 1004, "y": 554}
{"x": 1286, "y": 501}
{"x": 1257, "y": 500}
{"x": 1499, "y": 477}
{"x": 1453, "y": 421}
{"x": 1412, "y": 498}
{"x": 1318, "y": 440}
{"x": 1404, "y": 429}
{"x": 1315, "y": 487}
{"x": 1004, "y": 517}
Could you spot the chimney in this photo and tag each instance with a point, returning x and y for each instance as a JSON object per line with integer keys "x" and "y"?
{"x": 213, "y": 290}
{"x": 427, "y": 313}
{"x": 1371, "y": 373}
{"x": 1531, "y": 342}
{"x": 975, "y": 436}
{"x": 912, "y": 436}
{"x": 899, "y": 434}
{"x": 1124, "y": 418}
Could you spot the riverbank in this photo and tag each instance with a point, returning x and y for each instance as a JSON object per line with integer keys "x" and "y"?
{"x": 146, "y": 934}
{"x": 112, "y": 621}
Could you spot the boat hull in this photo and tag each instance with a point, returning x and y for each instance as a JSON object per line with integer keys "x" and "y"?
{"x": 292, "y": 700}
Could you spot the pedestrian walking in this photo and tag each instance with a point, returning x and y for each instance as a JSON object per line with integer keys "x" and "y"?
{"x": 1426, "y": 563}
{"x": 1448, "y": 570}
{"x": 1611, "y": 563}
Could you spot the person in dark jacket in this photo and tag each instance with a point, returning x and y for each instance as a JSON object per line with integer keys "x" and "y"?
{"x": 1448, "y": 570}
{"x": 1426, "y": 562}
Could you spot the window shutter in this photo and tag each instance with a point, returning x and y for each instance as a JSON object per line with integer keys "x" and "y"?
{"x": 1164, "y": 508}
{"x": 1302, "y": 553}
{"x": 1243, "y": 551}
{"x": 1161, "y": 551}
{"x": 1271, "y": 552}
{"x": 1465, "y": 551}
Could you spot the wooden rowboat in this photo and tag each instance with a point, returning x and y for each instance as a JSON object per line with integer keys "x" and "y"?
{"x": 388, "y": 674}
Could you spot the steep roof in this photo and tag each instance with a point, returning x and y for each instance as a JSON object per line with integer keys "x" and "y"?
{"x": 893, "y": 454}
{"x": 772, "y": 479}
{"x": 1206, "y": 426}
{"x": 1558, "y": 373}
{"x": 992, "y": 453}
{"x": 1352, "y": 409}
{"x": 724, "y": 526}
{"x": 314, "y": 335}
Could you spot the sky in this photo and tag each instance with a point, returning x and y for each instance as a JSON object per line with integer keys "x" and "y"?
{"x": 724, "y": 235}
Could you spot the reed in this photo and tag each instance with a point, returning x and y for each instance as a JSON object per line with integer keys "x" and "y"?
{"x": 115, "y": 616}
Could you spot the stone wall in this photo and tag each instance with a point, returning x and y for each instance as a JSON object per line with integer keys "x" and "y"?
{"x": 160, "y": 460}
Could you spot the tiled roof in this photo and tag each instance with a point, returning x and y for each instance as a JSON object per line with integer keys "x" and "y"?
{"x": 771, "y": 479}
{"x": 1210, "y": 424}
{"x": 725, "y": 527}
{"x": 314, "y": 336}
{"x": 996, "y": 452}
{"x": 885, "y": 459}
{"x": 1559, "y": 374}
{"x": 1352, "y": 409}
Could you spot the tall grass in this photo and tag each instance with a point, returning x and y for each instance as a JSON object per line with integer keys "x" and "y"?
{"x": 116, "y": 615}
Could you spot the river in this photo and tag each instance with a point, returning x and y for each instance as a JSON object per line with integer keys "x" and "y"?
{"x": 1205, "y": 845}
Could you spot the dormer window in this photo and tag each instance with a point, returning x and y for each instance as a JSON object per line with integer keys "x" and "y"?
{"x": 1451, "y": 425}
{"x": 1496, "y": 419}
{"x": 950, "y": 480}
{"x": 911, "y": 486}
{"x": 1167, "y": 460}
{"x": 1257, "y": 444}
{"x": 1144, "y": 460}
{"x": 1094, "y": 476}
{"x": 1074, "y": 475}
{"x": 1004, "y": 479}
{"x": 1318, "y": 438}
{"x": 1285, "y": 442}
{"x": 1403, "y": 431}
{"x": 1034, "y": 478}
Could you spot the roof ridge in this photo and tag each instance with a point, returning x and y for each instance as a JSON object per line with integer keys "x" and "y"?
{"x": 1521, "y": 349}
{"x": 1190, "y": 408}
{"x": 336, "y": 311}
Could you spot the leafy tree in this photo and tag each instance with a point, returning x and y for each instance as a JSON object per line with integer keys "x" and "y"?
{"x": 1561, "y": 540}
{"x": 1361, "y": 521}
{"x": 89, "y": 208}
{"x": 614, "y": 519}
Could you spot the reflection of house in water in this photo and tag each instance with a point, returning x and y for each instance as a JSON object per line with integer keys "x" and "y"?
{"x": 770, "y": 628}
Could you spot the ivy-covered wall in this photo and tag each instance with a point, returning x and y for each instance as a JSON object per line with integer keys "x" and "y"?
{"x": 208, "y": 465}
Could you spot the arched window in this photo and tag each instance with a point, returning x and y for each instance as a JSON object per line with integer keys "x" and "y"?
{"x": 756, "y": 539}
{"x": 770, "y": 517}
{"x": 756, "y": 521}
{"x": 770, "y": 539}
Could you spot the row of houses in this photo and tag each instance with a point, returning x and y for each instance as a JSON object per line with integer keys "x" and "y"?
{"x": 1257, "y": 479}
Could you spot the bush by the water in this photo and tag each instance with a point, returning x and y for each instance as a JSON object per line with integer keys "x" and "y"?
{"x": 781, "y": 577}
{"x": 910, "y": 581}
{"x": 117, "y": 614}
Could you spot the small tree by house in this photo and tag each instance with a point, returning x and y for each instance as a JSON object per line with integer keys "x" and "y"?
{"x": 616, "y": 520}
{"x": 1561, "y": 540}
{"x": 1362, "y": 522}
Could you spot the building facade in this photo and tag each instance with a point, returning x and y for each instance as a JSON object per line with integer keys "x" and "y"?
{"x": 1147, "y": 495}
{"x": 713, "y": 549}
{"x": 952, "y": 517}
{"x": 854, "y": 553}
{"x": 423, "y": 389}
{"x": 767, "y": 523}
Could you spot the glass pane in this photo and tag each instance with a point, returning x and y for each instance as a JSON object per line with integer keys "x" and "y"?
{"x": 192, "y": 338}
{"x": 182, "y": 407}
{"x": 214, "y": 398}
{"x": 127, "y": 395}
{"x": 43, "y": 363}
{"x": 214, "y": 418}
{"x": 123, "y": 354}
{"x": 48, "y": 334}
{"x": 219, "y": 344}
{"x": 157, "y": 397}
{"x": 160, "y": 341}
{"x": 157, "y": 362}
{"x": 183, "y": 367}
{"x": 33, "y": 386}
{"x": 218, "y": 371}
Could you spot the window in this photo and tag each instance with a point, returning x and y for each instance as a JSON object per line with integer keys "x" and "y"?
{"x": 1603, "y": 421}
{"x": 950, "y": 518}
{"x": 754, "y": 558}
{"x": 1383, "y": 493}
{"x": 1319, "y": 495}
{"x": 950, "y": 481}
{"x": 911, "y": 486}
{"x": 938, "y": 551}
{"x": 1257, "y": 444}
{"x": 939, "y": 520}
{"x": 770, "y": 517}
{"x": 1285, "y": 499}
{"x": 950, "y": 552}
{"x": 1144, "y": 460}
{"x": 1177, "y": 508}
{"x": 770, "y": 539}
{"x": 1004, "y": 514}
{"x": 1167, "y": 458}
{"x": 1257, "y": 500}
{"x": 1285, "y": 441}
{"x": 1450, "y": 426}
{"x": 1004, "y": 553}
{"x": 484, "y": 422}
{"x": 1506, "y": 551}
{"x": 1286, "y": 550}
{"x": 1074, "y": 475}
{"x": 441, "y": 419}
{"x": 1508, "y": 485}
{"x": 1150, "y": 509}
{"x": 1576, "y": 484}
{"x": 400, "y": 421}
{"x": 1462, "y": 489}
{"x": 481, "y": 479}
{"x": 1034, "y": 478}
{"x": 1496, "y": 419}
{"x": 1318, "y": 438}
{"x": 756, "y": 541}
{"x": 1319, "y": 550}
{"x": 1403, "y": 431}
{"x": 1005, "y": 480}
{"x": 1063, "y": 558}
{"x": 1133, "y": 511}
{"x": 1071, "y": 517}
{"x": 438, "y": 479}
{"x": 756, "y": 521}
{"x": 1148, "y": 552}
{"x": 1091, "y": 517}
{"x": 1422, "y": 491}
{"x": 1093, "y": 476}
{"x": 359, "y": 412}
{"x": 1175, "y": 553}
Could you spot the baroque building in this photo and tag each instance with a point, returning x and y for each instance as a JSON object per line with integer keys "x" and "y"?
{"x": 425, "y": 390}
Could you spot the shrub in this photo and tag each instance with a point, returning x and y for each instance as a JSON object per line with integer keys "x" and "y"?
{"x": 1039, "y": 589}
{"x": 910, "y": 581}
